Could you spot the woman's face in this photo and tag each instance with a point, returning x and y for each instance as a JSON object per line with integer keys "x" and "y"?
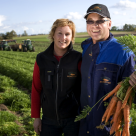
{"x": 62, "y": 38}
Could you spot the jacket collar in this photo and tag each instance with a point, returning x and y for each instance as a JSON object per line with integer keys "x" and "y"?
{"x": 49, "y": 51}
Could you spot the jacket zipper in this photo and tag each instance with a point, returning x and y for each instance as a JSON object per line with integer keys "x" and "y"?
{"x": 58, "y": 86}
{"x": 57, "y": 91}
{"x": 75, "y": 99}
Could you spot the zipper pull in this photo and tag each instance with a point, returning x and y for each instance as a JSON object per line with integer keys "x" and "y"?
{"x": 57, "y": 68}
{"x": 44, "y": 97}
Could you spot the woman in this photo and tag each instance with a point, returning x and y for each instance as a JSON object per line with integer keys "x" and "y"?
{"x": 56, "y": 83}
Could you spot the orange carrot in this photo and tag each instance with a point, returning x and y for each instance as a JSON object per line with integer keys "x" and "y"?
{"x": 116, "y": 124}
{"x": 129, "y": 90}
{"x": 118, "y": 133}
{"x": 119, "y": 119}
{"x": 124, "y": 131}
{"x": 112, "y": 92}
{"x": 112, "y": 119}
{"x": 112, "y": 128}
{"x": 118, "y": 110}
{"x": 126, "y": 119}
{"x": 106, "y": 112}
{"x": 114, "y": 102}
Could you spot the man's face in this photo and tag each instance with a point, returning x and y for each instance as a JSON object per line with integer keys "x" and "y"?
{"x": 98, "y": 32}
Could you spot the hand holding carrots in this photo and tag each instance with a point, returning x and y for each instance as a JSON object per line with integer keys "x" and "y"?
{"x": 119, "y": 108}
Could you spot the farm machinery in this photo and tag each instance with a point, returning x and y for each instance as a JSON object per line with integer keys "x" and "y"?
{"x": 26, "y": 46}
{"x": 5, "y": 46}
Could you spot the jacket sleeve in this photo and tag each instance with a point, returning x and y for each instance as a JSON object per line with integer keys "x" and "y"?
{"x": 128, "y": 68}
{"x": 35, "y": 94}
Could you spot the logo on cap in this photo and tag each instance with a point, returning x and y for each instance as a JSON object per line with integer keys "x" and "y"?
{"x": 97, "y": 8}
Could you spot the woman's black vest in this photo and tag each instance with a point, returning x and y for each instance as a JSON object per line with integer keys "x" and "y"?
{"x": 61, "y": 83}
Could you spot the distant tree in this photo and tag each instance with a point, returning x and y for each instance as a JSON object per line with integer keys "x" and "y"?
{"x": 125, "y": 27}
{"x": 0, "y": 37}
{"x": 1, "y": 34}
{"x": 129, "y": 27}
{"x": 14, "y": 33}
{"x": 25, "y": 33}
{"x": 114, "y": 28}
{"x": 8, "y": 35}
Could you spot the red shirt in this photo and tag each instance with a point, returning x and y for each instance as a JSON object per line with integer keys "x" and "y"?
{"x": 36, "y": 90}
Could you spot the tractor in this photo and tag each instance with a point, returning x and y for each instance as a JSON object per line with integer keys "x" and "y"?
{"x": 27, "y": 45}
{"x": 4, "y": 45}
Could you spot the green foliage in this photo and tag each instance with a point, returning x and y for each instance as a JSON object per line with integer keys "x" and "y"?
{"x": 25, "y": 33}
{"x": 14, "y": 33}
{"x": 122, "y": 90}
{"x": 15, "y": 99}
{"x": 128, "y": 41}
{"x": 7, "y": 124}
{"x": 129, "y": 27}
{"x": 19, "y": 101}
{"x": 21, "y": 69}
{"x": 9, "y": 35}
{"x": 6, "y": 116}
{"x": 5, "y": 82}
{"x": 9, "y": 128}
{"x": 27, "y": 121}
{"x": 84, "y": 113}
{"x": 133, "y": 120}
{"x": 114, "y": 28}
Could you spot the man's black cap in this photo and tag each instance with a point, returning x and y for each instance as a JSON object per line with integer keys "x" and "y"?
{"x": 99, "y": 9}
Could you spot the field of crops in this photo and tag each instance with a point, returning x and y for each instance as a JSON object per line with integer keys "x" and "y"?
{"x": 16, "y": 70}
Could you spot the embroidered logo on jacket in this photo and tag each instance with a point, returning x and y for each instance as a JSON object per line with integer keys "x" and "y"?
{"x": 71, "y": 74}
{"x": 105, "y": 80}
{"x": 90, "y": 54}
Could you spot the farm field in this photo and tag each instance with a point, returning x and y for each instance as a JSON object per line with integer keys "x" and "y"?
{"x": 16, "y": 71}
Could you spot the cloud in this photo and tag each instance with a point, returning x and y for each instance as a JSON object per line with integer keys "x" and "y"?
{"x": 119, "y": 13}
{"x": 25, "y": 28}
{"x": 40, "y": 21}
{"x": 2, "y": 18}
{"x": 73, "y": 15}
{"x": 126, "y": 4}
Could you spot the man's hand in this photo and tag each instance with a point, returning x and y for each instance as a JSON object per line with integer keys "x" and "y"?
{"x": 37, "y": 125}
{"x": 132, "y": 80}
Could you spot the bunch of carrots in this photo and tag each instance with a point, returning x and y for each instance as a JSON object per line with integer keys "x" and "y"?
{"x": 119, "y": 108}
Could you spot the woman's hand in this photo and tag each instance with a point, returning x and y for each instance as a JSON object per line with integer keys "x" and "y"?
{"x": 37, "y": 125}
{"x": 132, "y": 80}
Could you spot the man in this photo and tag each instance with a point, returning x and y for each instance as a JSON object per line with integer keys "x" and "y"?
{"x": 104, "y": 64}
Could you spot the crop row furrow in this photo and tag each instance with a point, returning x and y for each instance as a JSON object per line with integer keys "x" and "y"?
{"x": 19, "y": 54}
{"x": 30, "y": 55}
{"x": 13, "y": 58}
{"x": 18, "y": 64}
{"x": 22, "y": 76}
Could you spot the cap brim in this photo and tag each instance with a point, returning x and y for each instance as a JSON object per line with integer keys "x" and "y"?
{"x": 93, "y": 12}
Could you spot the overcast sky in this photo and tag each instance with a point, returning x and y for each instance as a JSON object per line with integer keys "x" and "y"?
{"x": 37, "y": 16}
